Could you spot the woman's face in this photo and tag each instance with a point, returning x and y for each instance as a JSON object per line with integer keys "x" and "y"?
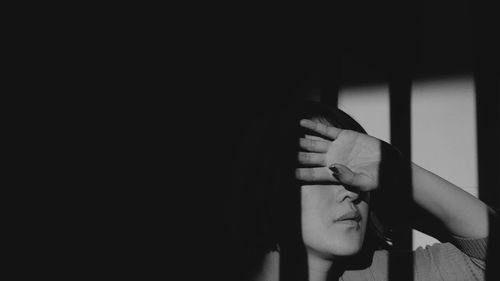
{"x": 333, "y": 220}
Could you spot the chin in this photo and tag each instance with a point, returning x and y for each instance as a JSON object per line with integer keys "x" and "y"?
{"x": 347, "y": 250}
{"x": 338, "y": 248}
{"x": 347, "y": 247}
{"x": 337, "y": 240}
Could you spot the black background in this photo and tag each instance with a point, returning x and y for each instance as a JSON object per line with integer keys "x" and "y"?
{"x": 180, "y": 84}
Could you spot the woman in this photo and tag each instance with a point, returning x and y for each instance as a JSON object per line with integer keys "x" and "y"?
{"x": 317, "y": 218}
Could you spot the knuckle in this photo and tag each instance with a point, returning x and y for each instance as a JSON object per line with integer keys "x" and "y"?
{"x": 323, "y": 146}
{"x": 305, "y": 143}
{"x": 323, "y": 161}
{"x": 302, "y": 157}
{"x": 312, "y": 173}
{"x": 302, "y": 174}
{"x": 314, "y": 144}
{"x": 309, "y": 143}
{"x": 323, "y": 128}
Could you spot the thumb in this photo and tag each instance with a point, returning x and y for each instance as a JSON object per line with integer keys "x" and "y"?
{"x": 346, "y": 176}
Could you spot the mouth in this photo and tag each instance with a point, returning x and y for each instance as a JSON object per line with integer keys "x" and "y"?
{"x": 350, "y": 218}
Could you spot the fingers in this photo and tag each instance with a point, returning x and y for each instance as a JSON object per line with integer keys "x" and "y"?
{"x": 314, "y": 145}
{"x": 307, "y": 158}
{"x": 357, "y": 180}
{"x": 328, "y": 131}
{"x": 314, "y": 174}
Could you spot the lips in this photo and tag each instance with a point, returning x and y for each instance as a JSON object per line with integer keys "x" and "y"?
{"x": 350, "y": 216}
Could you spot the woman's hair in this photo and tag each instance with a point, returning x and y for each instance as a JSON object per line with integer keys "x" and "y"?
{"x": 267, "y": 203}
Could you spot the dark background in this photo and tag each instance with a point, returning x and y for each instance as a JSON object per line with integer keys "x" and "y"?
{"x": 183, "y": 84}
{"x": 256, "y": 59}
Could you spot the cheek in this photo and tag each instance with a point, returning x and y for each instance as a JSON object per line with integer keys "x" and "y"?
{"x": 364, "y": 209}
{"x": 317, "y": 203}
{"x": 317, "y": 211}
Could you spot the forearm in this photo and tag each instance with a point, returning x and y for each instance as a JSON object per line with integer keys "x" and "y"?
{"x": 463, "y": 214}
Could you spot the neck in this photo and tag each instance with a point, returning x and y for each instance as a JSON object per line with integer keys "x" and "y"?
{"x": 318, "y": 268}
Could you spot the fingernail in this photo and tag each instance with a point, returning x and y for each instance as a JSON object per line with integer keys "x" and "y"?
{"x": 334, "y": 170}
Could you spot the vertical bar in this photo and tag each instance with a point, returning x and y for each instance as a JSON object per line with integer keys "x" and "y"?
{"x": 488, "y": 141}
{"x": 487, "y": 86}
{"x": 401, "y": 266}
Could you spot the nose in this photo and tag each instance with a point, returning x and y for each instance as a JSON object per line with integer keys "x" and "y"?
{"x": 345, "y": 194}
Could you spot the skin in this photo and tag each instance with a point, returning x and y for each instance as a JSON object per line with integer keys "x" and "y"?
{"x": 325, "y": 238}
{"x": 358, "y": 157}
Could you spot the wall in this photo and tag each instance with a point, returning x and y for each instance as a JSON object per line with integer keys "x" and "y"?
{"x": 443, "y": 127}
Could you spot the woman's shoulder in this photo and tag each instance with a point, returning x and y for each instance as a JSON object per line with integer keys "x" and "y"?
{"x": 474, "y": 248}
{"x": 461, "y": 259}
